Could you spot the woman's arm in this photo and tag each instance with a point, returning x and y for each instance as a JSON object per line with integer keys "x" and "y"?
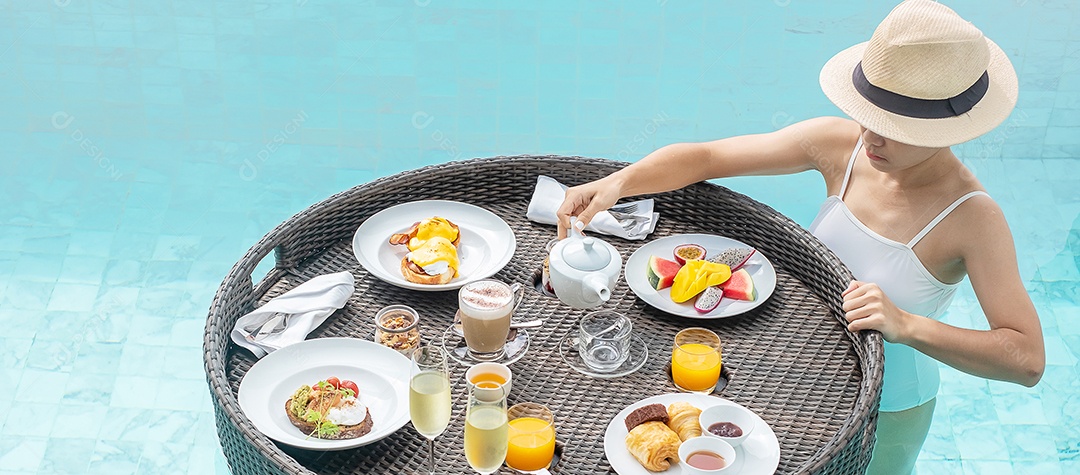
{"x": 1011, "y": 350}
{"x": 806, "y": 145}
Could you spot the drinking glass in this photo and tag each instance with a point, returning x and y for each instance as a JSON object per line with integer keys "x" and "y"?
{"x": 604, "y": 339}
{"x": 486, "y": 431}
{"x": 429, "y": 396}
{"x": 532, "y": 437}
{"x": 695, "y": 360}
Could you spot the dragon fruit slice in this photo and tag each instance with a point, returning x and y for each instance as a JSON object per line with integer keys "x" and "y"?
{"x": 734, "y": 257}
{"x": 709, "y": 299}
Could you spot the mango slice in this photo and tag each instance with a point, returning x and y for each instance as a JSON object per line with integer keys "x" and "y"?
{"x": 696, "y": 276}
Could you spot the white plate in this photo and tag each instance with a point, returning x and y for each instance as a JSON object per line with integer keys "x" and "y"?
{"x": 759, "y": 267}
{"x": 381, "y": 374}
{"x": 758, "y": 454}
{"x": 487, "y": 242}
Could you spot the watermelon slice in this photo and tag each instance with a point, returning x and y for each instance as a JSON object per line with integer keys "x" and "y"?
{"x": 661, "y": 272}
{"x": 740, "y": 286}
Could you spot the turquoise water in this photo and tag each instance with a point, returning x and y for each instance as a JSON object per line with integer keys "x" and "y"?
{"x": 147, "y": 144}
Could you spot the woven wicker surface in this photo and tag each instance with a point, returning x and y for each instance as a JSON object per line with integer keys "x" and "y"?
{"x": 792, "y": 361}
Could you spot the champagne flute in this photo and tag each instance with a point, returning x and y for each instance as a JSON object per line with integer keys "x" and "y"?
{"x": 486, "y": 430}
{"x": 429, "y": 396}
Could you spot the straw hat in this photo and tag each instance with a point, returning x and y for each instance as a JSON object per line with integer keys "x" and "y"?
{"x": 927, "y": 77}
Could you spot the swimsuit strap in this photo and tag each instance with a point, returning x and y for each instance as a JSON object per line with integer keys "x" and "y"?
{"x": 851, "y": 162}
{"x": 942, "y": 215}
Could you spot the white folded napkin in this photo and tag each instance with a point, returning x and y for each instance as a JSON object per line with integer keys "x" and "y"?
{"x": 633, "y": 220}
{"x": 298, "y": 311}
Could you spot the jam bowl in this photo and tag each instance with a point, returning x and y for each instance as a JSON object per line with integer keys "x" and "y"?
{"x": 727, "y": 422}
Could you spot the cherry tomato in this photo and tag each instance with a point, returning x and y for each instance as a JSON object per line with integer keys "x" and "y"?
{"x": 350, "y": 385}
{"x": 334, "y": 382}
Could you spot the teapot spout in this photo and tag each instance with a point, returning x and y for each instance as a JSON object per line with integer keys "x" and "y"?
{"x": 595, "y": 288}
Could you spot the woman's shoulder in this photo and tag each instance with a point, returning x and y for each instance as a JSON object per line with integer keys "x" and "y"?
{"x": 829, "y": 130}
{"x": 828, "y": 142}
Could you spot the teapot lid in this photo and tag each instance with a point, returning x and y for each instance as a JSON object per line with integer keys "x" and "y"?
{"x": 585, "y": 255}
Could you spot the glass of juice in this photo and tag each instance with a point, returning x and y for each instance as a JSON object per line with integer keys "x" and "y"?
{"x": 532, "y": 437}
{"x": 486, "y": 430}
{"x": 429, "y": 396}
{"x": 695, "y": 360}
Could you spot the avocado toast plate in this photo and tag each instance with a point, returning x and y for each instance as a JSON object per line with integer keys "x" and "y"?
{"x": 380, "y": 373}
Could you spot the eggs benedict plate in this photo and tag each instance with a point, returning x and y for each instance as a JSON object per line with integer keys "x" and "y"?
{"x": 433, "y": 245}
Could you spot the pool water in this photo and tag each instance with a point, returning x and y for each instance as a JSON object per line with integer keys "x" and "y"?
{"x": 147, "y": 144}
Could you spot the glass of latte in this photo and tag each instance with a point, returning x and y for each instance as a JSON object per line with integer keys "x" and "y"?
{"x": 485, "y": 307}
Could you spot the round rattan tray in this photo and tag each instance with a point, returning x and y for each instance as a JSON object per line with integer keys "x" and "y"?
{"x": 791, "y": 360}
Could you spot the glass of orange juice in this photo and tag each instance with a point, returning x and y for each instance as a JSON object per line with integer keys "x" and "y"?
{"x": 531, "y": 437}
{"x": 695, "y": 360}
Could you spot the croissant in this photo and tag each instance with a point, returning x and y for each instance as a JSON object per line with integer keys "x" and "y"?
{"x": 683, "y": 419}
{"x": 653, "y": 444}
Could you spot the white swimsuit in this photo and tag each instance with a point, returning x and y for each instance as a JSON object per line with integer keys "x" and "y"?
{"x": 911, "y": 378}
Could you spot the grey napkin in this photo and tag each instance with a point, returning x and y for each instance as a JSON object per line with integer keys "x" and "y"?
{"x": 289, "y": 317}
{"x": 634, "y": 220}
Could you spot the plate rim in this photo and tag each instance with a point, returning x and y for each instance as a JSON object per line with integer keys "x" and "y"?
{"x": 690, "y": 312}
{"x": 688, "y": 397}
{"x": 320, "y": 444}
{"x": 395, "y": 279}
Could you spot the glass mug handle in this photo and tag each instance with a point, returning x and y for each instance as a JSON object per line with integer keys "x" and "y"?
{"x": 519, "y": 294}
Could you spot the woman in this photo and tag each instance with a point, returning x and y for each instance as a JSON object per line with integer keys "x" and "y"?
{"x": 903, "y": 213}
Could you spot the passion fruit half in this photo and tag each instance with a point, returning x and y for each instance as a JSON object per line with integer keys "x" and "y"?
{"x": 688, "y": 252}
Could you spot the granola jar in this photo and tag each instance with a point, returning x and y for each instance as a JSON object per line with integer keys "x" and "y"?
{"x": 397, "y": 327}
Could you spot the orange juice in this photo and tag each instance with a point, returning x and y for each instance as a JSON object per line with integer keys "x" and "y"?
{"x": 532, "y": 444}
{"x": 488, "y": 380}
{"x": 695, "y": 367}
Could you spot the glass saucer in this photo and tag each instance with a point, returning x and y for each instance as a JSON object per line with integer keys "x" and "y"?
{"x": 639, "y": 353}
{"x": 454, "y": 344}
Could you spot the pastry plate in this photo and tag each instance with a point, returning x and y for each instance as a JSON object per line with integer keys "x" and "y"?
{"x": 381, "y": 374}
{"x": 759, "y": 267}
{"x": 758, "y": 454}
{"x": 487, "y": 242}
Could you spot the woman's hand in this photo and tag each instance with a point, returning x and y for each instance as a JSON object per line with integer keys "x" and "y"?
{"x": 584, "y": 201}
{"x": 868, "y": 308}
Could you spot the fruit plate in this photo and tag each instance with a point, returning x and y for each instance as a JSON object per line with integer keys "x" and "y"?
{"x": 487, "y": 242}
{"x": 381, "y": 374}
{"x": 759, "y": 267}
{"x": 758, "y": 454}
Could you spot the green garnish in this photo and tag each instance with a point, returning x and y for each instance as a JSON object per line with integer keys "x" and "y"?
{"x": 327, "y": 428}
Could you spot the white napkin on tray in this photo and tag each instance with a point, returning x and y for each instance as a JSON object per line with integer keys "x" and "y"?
{"x": 289, "y": 317}
{"x": 634, "y": 220}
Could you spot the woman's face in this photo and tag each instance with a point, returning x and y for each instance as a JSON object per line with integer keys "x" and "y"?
{"x": 890, "y": 155}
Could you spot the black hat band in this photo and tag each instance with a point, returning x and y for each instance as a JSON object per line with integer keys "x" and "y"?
{"x": 920, "y": 108}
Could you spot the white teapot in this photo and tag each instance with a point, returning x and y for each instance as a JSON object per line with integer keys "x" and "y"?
{"x": 583, "y": 269}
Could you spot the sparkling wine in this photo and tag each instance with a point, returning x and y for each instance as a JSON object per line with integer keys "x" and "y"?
{"x": 429, "y": 403}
